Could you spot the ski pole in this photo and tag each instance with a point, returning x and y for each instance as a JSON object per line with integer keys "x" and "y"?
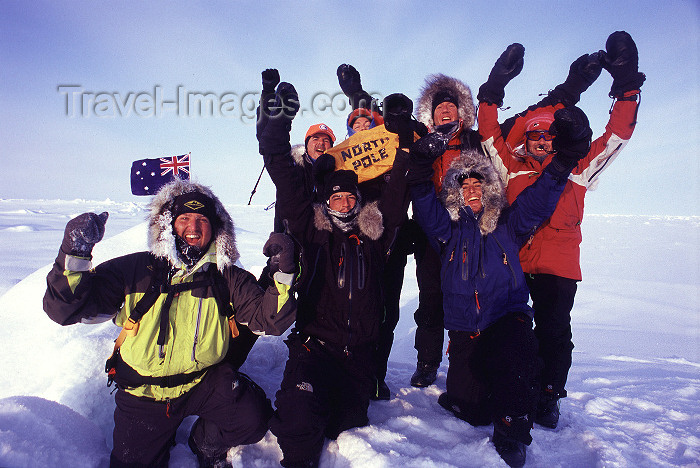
{"x": 256, "y": 185}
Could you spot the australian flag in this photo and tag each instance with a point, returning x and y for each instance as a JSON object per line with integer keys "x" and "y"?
{"x": 149, "y": 175}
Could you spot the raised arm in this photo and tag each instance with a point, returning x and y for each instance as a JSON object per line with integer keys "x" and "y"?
{"x": 75, "y": 292}
{"x": 490, "y": 97}
{"x": 279, "y": 109}
{"x": 621, "y": 60}
{"x": 427, "y": 209}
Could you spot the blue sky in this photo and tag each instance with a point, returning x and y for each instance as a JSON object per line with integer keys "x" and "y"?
{"x": 140, "y": 52}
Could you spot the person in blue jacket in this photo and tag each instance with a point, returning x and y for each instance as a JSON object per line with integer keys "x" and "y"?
{"x": 493, "y": 364}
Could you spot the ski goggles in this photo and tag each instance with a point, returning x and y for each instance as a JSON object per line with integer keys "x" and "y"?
{"x": 537, "y": 136}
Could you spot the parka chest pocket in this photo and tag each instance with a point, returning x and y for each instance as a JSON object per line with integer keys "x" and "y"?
{"x": 458, "y": 261}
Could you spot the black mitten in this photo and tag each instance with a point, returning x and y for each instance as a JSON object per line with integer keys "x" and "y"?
{"x": 423, "y": 153}
{"x": 274, "y": 137}
{"x": 572, "y": 140}
{"x": 507, "y": 67}
{"x": 82, "y": 233}
{"x": 349, "y": 79}
{"x": 582, "y": 74}
{"x": 270, "y": 79}
{"x": 621, "y": 60}
{"x": 397, "y": 110}
{"x": 323, "y": 165}
{"x": 280, "y": 249}
{"x": 286, "y": 103}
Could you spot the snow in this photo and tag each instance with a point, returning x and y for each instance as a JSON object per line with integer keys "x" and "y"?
{"x": 634, "y": 388}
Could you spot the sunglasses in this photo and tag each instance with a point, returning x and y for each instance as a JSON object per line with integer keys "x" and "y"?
{"x": 537, "y": 136}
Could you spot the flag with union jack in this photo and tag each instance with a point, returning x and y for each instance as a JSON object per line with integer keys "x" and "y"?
{"x": 149, "y": 175}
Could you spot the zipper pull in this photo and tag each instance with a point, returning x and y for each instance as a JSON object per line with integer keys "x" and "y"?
{"x": 167, "y": 407}
{"x": 505, "y": 259}
{"x": 478, "y": 306}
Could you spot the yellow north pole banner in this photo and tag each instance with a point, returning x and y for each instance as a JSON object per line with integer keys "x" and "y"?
{"x": 370, "y": 153}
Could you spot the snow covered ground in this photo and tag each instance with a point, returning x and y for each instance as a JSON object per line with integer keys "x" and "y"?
{"x": 634, "y": 389}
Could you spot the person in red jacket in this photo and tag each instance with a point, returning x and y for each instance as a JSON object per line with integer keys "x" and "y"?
{"x": 550, "y": 258}
{"x": 444, "y": 103}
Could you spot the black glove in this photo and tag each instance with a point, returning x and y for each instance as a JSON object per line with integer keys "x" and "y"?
{"x": 582, "y": 73}
{"x": 274, "y": 136}
{"x": 82, "y": 233}
{"x": 280, "y": 249}
{"x": 507, "y": 67}
{"x": 621, "y": 60}
{"x": 572, "y": 140}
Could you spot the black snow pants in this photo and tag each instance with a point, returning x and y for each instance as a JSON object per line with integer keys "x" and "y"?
{"x": 492, "y": 376}
{"x": 392, "y": 282}
{"x": 552, "y": 299}
{"x": 232, "y": 411}
{"x": 324, "y": 392}
{"x": 429, "y": 317}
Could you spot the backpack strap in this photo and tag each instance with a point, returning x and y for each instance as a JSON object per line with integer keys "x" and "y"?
{"x": 223, "y": 301}
{"x": 159, "y": 278}
{"x": 160, "y": 283}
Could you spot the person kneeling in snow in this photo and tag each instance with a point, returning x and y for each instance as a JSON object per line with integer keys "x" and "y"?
{"x": 170, "y": 360}
{"x": 492, "y": 374}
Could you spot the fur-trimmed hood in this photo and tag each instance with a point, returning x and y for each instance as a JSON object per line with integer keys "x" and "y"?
{"x": 369, "y": 220}
{"x": 161, "y": 238}
{"x": 493, "y": 196}
{"x": 298, "y": 154}
{"x": 440, "y": 82}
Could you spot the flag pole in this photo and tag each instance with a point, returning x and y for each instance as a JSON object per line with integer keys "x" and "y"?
{"x": 256, "y": 185}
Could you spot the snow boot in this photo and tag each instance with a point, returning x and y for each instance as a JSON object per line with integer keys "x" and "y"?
{"x": 547, "y": 411}
{"x": 477, "y": 418}
{"x": 382, "y": 392}
{"x": 512, "y": 451}
{"x": 207, "y": 461}
{"x": 424, "y": 375}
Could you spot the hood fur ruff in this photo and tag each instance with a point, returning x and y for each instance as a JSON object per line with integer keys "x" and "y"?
{"x": 493, "y": 196}
{"x": 435, "y": 83}
{"x": 161, "y": 238}
{"x": 298, "y": 152}
{"x": 369, "y": 220}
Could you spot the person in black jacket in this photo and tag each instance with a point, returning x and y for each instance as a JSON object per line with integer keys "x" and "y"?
{"x": 329, "y": 377}
{"x": 363, "y": 117}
